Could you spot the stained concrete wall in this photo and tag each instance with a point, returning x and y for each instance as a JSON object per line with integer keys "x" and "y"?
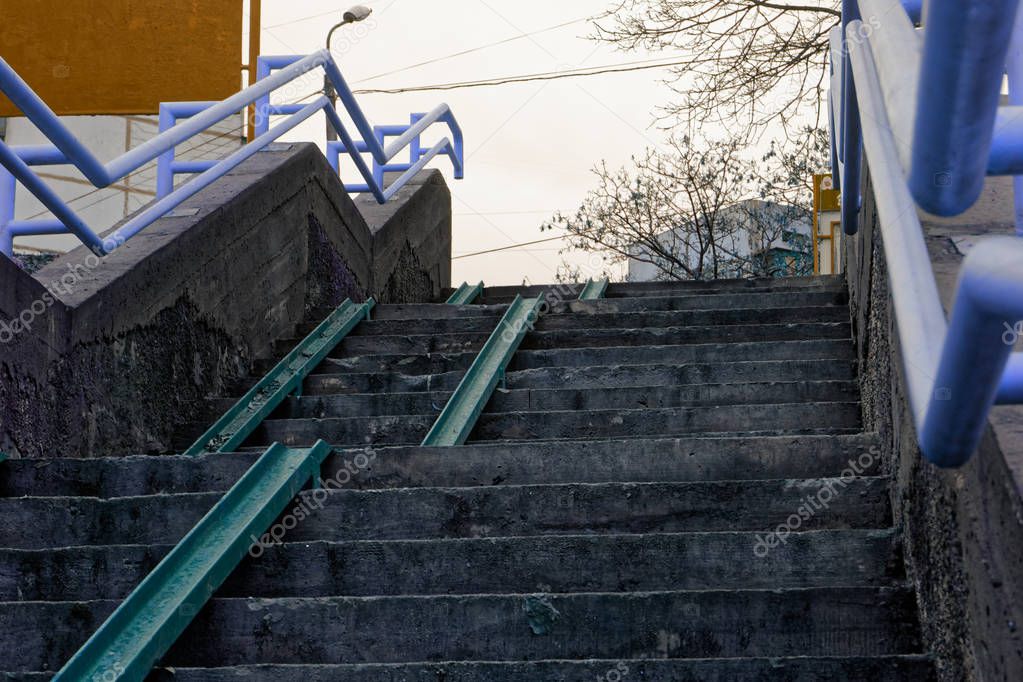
{"x": 106, "y": 356}
{"x": 963, "y": 529}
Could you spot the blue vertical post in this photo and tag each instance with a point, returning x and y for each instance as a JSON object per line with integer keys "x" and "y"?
{"x": 8, "y": 188}
{"x": 378, "y": 168}
{"x": 1014, "y": 68}
{"x": 165, "y": 162}
{"x": 852, "y": 133}
{"x": 966, "y": 43}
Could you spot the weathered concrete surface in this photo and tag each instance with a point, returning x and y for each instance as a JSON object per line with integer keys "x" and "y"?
{"x": 121, "y": 349}
{"x": 832, "y": 621}
{"x": 963, "y": 529}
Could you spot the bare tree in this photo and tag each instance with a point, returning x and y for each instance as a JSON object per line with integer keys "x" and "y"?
{"x": 694, "y": 211}
{"x": 742, "y": 60}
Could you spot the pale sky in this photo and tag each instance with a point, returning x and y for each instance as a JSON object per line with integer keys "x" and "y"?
{"x": 529, "y": 147}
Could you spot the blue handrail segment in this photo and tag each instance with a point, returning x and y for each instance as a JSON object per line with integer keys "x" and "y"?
{"x": 276, "y": 73}
{"x": 933, "y": 129}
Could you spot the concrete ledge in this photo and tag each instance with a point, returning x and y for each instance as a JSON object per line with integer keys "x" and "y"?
{"x": 963, "y": 529}
{"x": 114, "y": 352}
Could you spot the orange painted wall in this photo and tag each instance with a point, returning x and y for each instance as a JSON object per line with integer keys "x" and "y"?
{"x": 122, "y": 56}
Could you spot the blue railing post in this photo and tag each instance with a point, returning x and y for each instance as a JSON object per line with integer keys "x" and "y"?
{"x": 164, "y": 173}
{"x": 852, "y": 134}
{"x": 977, "y": 348}
{"x": 8, "y": 188}
{"x": 1014, "y": 69}
{"x": 966, "y": 43}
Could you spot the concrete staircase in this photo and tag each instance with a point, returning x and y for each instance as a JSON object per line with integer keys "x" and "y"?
{"x": 614, "y": 516}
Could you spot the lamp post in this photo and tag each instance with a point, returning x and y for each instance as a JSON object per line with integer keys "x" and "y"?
{"x": 353, "y": 15}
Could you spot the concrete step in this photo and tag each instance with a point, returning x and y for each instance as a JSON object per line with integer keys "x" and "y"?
{"x": 434, "y": 311}
{"x": 380, "y": 382}
{"x": 531, "y": 400}
{"x": 410, "y": 429}
{"x": 344, "y": 515}
{"x": 724, "y": 301}
{"x": 830, "y": 349}
{"x": 621, "y": 423}
{"x": 579, "y": 461}
{"x": 691, "y": 318}
{"x": 596, "y": 320}
{"x": 440, "y": 363}
{"x": 410, "y": 344}
{"x": 404, "y": 429}
{"x": 622, "y": 289}
{"x": 811, "y": 622}
{"x": 443, "y": 325}
{"x": 599, "y": 376}
{"x": 582, "y": 336}
{"x": 615, "y": 376}
{"x": 848, "y": 669}
{"x": 433, "y": 363}
{"x": 666, "y": 336}
{"x": 357, "y": 405}
{"x": 564, "y": 564}
{"x": 635, "y": 289}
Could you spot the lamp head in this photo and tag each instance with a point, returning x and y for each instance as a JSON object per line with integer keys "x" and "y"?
{"x": 356, "y": 13}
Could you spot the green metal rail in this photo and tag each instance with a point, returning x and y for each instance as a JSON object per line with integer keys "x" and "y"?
{"x": 593, "y": 290}
{"x": 238, "y": 423}
{"x": 155, "y": 614}
{"x": 459, "y": 416}
{"x": 465, "y": 294}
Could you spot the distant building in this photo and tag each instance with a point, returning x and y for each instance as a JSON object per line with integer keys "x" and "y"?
{"x": 761, "y": 238}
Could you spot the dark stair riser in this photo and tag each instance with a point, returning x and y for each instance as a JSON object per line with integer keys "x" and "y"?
{"x": 464, "y": 342}
{"x": 686, "y": 354}
{"x": 552, "y": 321}
{"x": 611, "y": 563}
{"x": 622, "y": 376}
{"x": 692, "y": 318}
{"x": 800, "y": 669}
{"x": 705, "y": 302}
{"x": 507, "y": 400}
{"x": 422, "y": 513}
{"x": 834, "y": 622}
{"x": 669, "y": 421}
{"x": 633, "y": 460}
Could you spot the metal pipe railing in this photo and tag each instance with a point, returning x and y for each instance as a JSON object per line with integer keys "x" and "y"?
{"x": 964, "y": 56}
{"x": 918, "y": 311}
{"x": 947, "y": 93}
{"x": 275, "y": 72}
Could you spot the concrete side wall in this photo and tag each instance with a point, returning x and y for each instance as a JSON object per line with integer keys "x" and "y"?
{"x": 124, "y": 348}
{"x": 963, "y": 529}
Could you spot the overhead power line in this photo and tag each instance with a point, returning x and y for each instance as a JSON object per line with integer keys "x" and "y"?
{"x": 512, "y": 246}
{"x": 475, "y": 49}
{"x": 525, "y": 78}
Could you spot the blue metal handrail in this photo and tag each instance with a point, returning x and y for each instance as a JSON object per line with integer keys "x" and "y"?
{"x": 933, "y": 129}
{"x": 67, "y": 149}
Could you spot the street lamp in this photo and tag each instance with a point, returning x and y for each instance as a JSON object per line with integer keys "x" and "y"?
{"x": 351, "y": 16}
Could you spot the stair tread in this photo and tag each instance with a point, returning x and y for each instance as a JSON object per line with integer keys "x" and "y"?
{"x": 835, "y": 621}
{"x": 567, "y": 563}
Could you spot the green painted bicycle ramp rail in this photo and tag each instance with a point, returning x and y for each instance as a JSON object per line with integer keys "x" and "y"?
{"x": 155, "y": 614}
{"x": 459, "y": 416}
{"x": 238, "y": 423}
{"x": 465, "y": 294}
{"x": 593, "y": 291}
